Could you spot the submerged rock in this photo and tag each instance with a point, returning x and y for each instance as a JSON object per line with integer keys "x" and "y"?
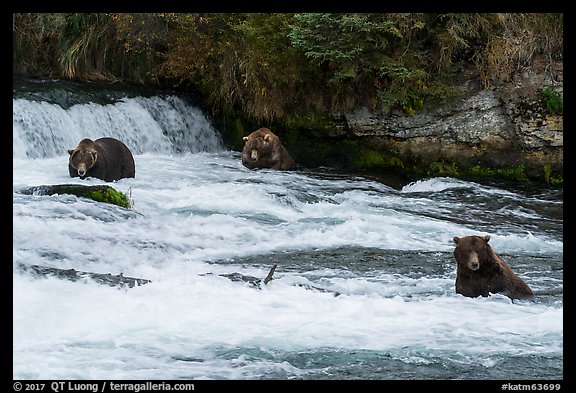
{"x": 76, "y": 275}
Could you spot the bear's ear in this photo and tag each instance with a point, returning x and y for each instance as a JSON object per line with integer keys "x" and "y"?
{"x": 245, "y": 139}
{"x": 486, "y": 238}
{"x": 266, "y": 137}
{"x": 94, "y": 155}
{"x": 456, "y": 239}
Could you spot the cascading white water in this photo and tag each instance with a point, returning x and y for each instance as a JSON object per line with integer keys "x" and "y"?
{"x": 145, "y": 124}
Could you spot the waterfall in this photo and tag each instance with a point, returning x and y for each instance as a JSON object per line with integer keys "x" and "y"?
{"x": 167, "y": 124}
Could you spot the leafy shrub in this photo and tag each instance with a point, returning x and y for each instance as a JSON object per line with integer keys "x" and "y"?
{"x": 552, "y": 100}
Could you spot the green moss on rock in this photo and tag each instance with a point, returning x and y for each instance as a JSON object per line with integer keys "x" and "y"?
{"x": 443, "y": 169}
{"x": 371, "y": 159}
{"x": 99, "y": 193}
{"x": 517, "y": 173}
{"x": 110, "y": 195}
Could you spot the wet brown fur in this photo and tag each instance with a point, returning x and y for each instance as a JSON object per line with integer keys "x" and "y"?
{"x": 107, "y": 159}
{"x": 263, "y": 149}
{"x": 480, "y": 271}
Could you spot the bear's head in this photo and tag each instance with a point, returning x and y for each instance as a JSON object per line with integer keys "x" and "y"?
{"x": 260, "y": 143}
{"x": 83, "y": 157}
{"x": 471, "y": 251}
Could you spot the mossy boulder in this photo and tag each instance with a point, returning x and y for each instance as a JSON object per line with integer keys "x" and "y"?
{"x": 99, "y": 193}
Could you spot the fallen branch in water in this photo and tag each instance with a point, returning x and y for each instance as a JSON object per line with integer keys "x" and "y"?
{"x": 269, "y": 276}
{"x": 253, "y": 281}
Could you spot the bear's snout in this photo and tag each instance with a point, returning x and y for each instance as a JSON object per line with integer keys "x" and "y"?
{"x": 82, "y": 170}
{"x": 473, "y": 261}
{"x": 254, "y": 155}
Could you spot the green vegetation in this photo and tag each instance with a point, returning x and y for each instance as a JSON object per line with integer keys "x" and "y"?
{"x": 371, "y": 159}
{"x": 552, "y": 100}
{"x": 68, "y": 46}
{"x": 109, "y": 195}
{"x": 272, "y": 66}
{"x": 477, "y": 171}
{"x": 555, "y": 181}
{"x": 516, "y": 173}
{"x": 443, "y": 169}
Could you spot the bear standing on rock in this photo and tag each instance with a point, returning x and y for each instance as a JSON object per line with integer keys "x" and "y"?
{"x": 107, "y": 159}
{"x": 480, "y": 271}
{"x": 263, "y": 149}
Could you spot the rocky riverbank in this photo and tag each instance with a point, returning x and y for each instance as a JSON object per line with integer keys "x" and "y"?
{"x": 501, "y": 131}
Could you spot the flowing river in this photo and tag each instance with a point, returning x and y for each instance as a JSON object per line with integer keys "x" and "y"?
{"x": 364, "y": 284}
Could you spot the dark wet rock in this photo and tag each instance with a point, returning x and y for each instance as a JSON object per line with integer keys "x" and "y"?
{"x": 118, "y": 280}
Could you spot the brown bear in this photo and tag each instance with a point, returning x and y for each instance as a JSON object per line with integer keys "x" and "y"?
{"x": 107, "y": 159}
{"x": 263, "y": 149}
{"x": 480, "y": 271}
